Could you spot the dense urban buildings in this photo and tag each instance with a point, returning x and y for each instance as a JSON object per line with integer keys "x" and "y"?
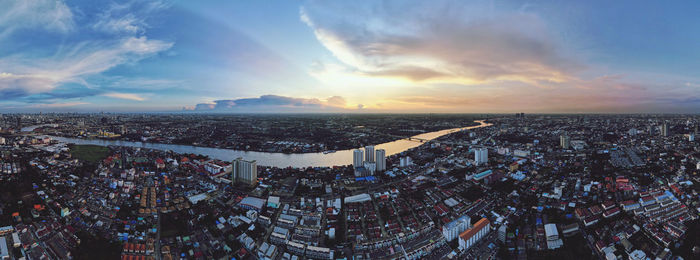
{"x": 514, "y": 187}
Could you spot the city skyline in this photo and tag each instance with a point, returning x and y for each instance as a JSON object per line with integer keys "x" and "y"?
{"x": 360, "y": 57}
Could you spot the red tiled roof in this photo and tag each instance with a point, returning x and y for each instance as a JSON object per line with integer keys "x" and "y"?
{"x": 478, "y": 226}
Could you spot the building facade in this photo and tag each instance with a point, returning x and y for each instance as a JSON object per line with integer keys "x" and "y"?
{"x": 245, "y": 171}
{"x": 357, "y": 158}
{"x": 452, "y": 229}
{"x": 470, "y": 236}
{"x": 481, "y": 156}
{"x": 369, "y": 153}
{"x": 381, "y": 160}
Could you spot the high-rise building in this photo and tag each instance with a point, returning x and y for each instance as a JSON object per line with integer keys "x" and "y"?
{"x": 245, "y": 171}
{"x": 502, "y": 233}
{"x": 664, "y": 129}
{"x": 481, "y": 156}
{"x": 452, "y": 229}
{"x": 357, "y": 158}
{"x": 564, "y": 141}
{"x": 369, "y": 153}
{"x": 472, "y": 235}
{"x": 381, "y": 160}
{"x": 691, "y": 137}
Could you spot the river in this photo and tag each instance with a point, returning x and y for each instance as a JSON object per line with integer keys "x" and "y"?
{"x": 282, "y": 160}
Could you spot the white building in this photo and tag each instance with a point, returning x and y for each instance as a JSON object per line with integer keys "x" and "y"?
{"x": 564, "y": 141}
{"x": 357, "y": 158}
{"x": 472, "y": 235}
{"x": 502, "y": 233}
{"x": 371, "y": 167}
{"x": 552, "y": 234}
{"x": 664, "y": 129}
{"x": 481, "y": 156}
{"x": 369, "y": 153}
{"x": 452, "y": 230}
{"x": 4, "y": 252}
{"x": 381, "y": 159}
{"x": 245, "y": 171}
{"x": 405, "y": 161}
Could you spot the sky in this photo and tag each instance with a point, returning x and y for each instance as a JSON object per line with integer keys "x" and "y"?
{"x": 350, "y": 56}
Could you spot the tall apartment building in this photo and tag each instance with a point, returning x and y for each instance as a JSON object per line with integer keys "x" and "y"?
{"x": 472, "y": 235}
{"x": 564, "y": 141}
{"x": 245, "y": 171}
{"x": 357, "y": 158}
{"x": 369, "y": 153}
{"x": 381, "y": 160}
{"x": 452, "y": 229}
{"x": 481, "y": 156}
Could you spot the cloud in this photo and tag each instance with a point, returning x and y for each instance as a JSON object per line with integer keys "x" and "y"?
{"x": 29, "y": 75}
{"x": 46, "y": 71}
{"x": 127, "y": 96}
{"x": 58, "y": 105}
{"x": 127, "y": 18}
{"x": 51, "y": 15}
{"x": 274, "y": 103}
{"x": 127, "y": 23}
{"x": 443, "y": 41}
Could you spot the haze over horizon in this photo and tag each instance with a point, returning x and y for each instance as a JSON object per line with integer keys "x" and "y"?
{"x": 350, "y": 57}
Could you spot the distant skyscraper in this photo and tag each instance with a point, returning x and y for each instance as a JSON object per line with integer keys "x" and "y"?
{"x": 481, "y": 156}
{"x": 664, "y": 129}
{"x": 369, "y": 153}
{"x": 691, "y": 137}
{"x": 357, "y": 158}
{"x": 564, "y": 141}
{"x": 245, "y": 171}
{"x": 381, "y": 160}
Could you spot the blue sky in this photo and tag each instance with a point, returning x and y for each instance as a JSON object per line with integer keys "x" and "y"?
{"x": 340, "y": 56}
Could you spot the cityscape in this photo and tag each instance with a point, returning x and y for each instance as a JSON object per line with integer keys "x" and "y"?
{"x": 308, "y": 129}
{"x": 511, "y": 186}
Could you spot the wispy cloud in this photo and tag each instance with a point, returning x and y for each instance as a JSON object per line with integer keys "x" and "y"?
{"x": 77, "y": 58}
{"x": 58, "y": 105}
{"x": 443, "y": 41}
{"x": 127, "y": 96}
{"x": 274, "y": 103}
{"x": 128, "y": 18}
{"x": 52, "y": 15}
{"x": 27, "y": 75}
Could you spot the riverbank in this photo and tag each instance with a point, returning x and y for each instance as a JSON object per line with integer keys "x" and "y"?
{"x": 281, "y": 160}
{"x": 291, "y": 146}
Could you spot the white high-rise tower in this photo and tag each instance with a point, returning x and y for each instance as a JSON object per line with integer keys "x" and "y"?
{"x": 369, "y": 153}
{"x": 481, "y": 156}
{"x": 245, "y": 171}
{"x": 357, "y": 158}
{"x": 381, "y": 160}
